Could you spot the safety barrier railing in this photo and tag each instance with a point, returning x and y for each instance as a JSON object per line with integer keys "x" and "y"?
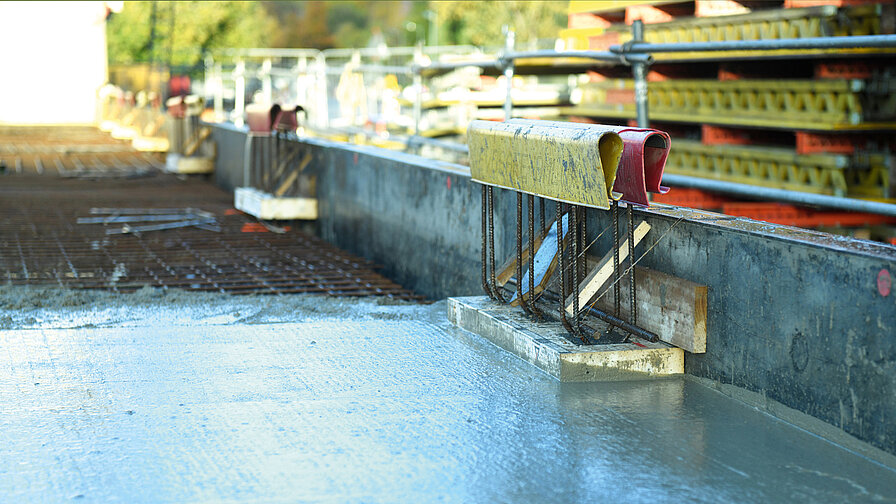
{"x": 418, "y": 64}
{"x": 295, "y": 76}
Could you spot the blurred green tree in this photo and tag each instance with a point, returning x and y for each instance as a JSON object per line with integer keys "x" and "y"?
{"x": 480, "y": 22}
{"x": 322, "y": 25}
{"x": 179, "y": 32}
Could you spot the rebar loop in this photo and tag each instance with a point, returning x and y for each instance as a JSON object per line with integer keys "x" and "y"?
{"x": 574, "y": 247}
{"x": 562, "y": 255}
{"x": 491, "y": 249}
{"x": 485, "y": 244}
{"x": 272, "y": 162}
{"x": 633, "y": 307}
{"x": 535, "y": 311}
{"x": 615, "y": 258}
{"x": 519, "y": 254}
{"x": 582, "y": 257}
{"x": 562, "y": 258}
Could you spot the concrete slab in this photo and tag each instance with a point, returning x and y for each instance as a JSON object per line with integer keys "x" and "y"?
{"x": 545, "y": 345}
{"x": 352, "y": 401}
{"x": 792, "y": 315}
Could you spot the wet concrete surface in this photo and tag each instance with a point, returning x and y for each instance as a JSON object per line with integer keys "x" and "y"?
{"x": 296, "y": 399}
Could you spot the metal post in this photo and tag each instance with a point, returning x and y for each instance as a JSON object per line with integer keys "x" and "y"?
{"x": 509, "y": 42}
{"x": 418, "y": 87}
{"x": 323, "y": 102}
{"x": 266, "y": 87}
{"x": 239, "y": 100}
{"x": 640, "y": 72}
{"x": 219, "y": 92}
{"x": 302, "y": 81}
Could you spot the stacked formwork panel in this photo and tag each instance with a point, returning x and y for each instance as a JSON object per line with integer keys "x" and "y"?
{"x": 816, "y": 120}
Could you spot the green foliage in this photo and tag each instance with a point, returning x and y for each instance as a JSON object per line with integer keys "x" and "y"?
{"x": 183, "y": 30}
{"x": 321, "y": 25}
{"x": 480, "y": 22}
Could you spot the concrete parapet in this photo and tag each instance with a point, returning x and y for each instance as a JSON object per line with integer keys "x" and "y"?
{"x": 795, "y": 315}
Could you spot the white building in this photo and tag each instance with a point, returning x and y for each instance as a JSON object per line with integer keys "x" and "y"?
{"x": 52, "y": 61}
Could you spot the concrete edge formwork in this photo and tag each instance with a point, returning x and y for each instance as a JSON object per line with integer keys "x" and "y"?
{"x": 796, "y": 316}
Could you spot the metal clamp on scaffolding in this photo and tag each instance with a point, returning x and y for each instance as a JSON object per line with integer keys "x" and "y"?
{"x": 574, "y": 165}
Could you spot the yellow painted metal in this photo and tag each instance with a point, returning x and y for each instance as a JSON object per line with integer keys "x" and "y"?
{"x": 837, "y": 104}
{"x": 766, "y": 166}
{"x": 767, "y": 24}
{"x": 740, "y": 55}
{"x": 598, "y": 6}
{"x": 576, "y": 166}
{"x": 578, "y": 39}
{"x": 861, "y": 176}
{"x": 487, "y": 102}
{"x": 872, "y": 177}
{"x": 440, "y": 132}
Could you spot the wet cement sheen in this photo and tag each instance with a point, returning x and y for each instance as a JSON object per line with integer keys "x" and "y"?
{"x": 368, "y": 403}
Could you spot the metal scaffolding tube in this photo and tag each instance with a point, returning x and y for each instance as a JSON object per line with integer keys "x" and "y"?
{"x": 454, "y": 65}
{"x": 608, "y": 56}
{"x": 843, "y": 42}
{"x": 639, "y": 70}
{"x": 782, "y": 195}
{"x": 507, "y": 69}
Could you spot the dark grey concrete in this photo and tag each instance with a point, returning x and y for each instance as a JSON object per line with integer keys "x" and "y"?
{"x": 371, "y": 403}
{"x": 231, "y": 142}
{"x": 414, "y": 222}
{"x": 794, "y": 315}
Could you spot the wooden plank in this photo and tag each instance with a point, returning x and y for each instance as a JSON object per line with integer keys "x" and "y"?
{"x": 195, "y": 142}
{"x": 544, "y": 346}
{"x": 267, "y": 207}
{"x": 601, "y": 274}
{"x": 545, "y": 262}
{"x": 508, "y": 268}
{"x": 284, "y": 163}
{"x": 672, "y": 308}
{"x": 293, "y": 175}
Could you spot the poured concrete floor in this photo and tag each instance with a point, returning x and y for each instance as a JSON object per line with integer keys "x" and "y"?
{"x": 295, "y": 399}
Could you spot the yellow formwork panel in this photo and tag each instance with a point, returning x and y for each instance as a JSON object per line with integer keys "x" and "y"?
{"x": 598, "y": 6}
{"x": 822, "y": 21}
{"x": 759, "y": 165}
{"x": 487, "y": 102}
{"x": 840, "y": 104}
{"x": 577, "y": 39}
{"x": 770, "y": 24}
{"x": 872, "y": 180}
{"x": 738, "y": 55}
{"x": 576, "y": 166}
